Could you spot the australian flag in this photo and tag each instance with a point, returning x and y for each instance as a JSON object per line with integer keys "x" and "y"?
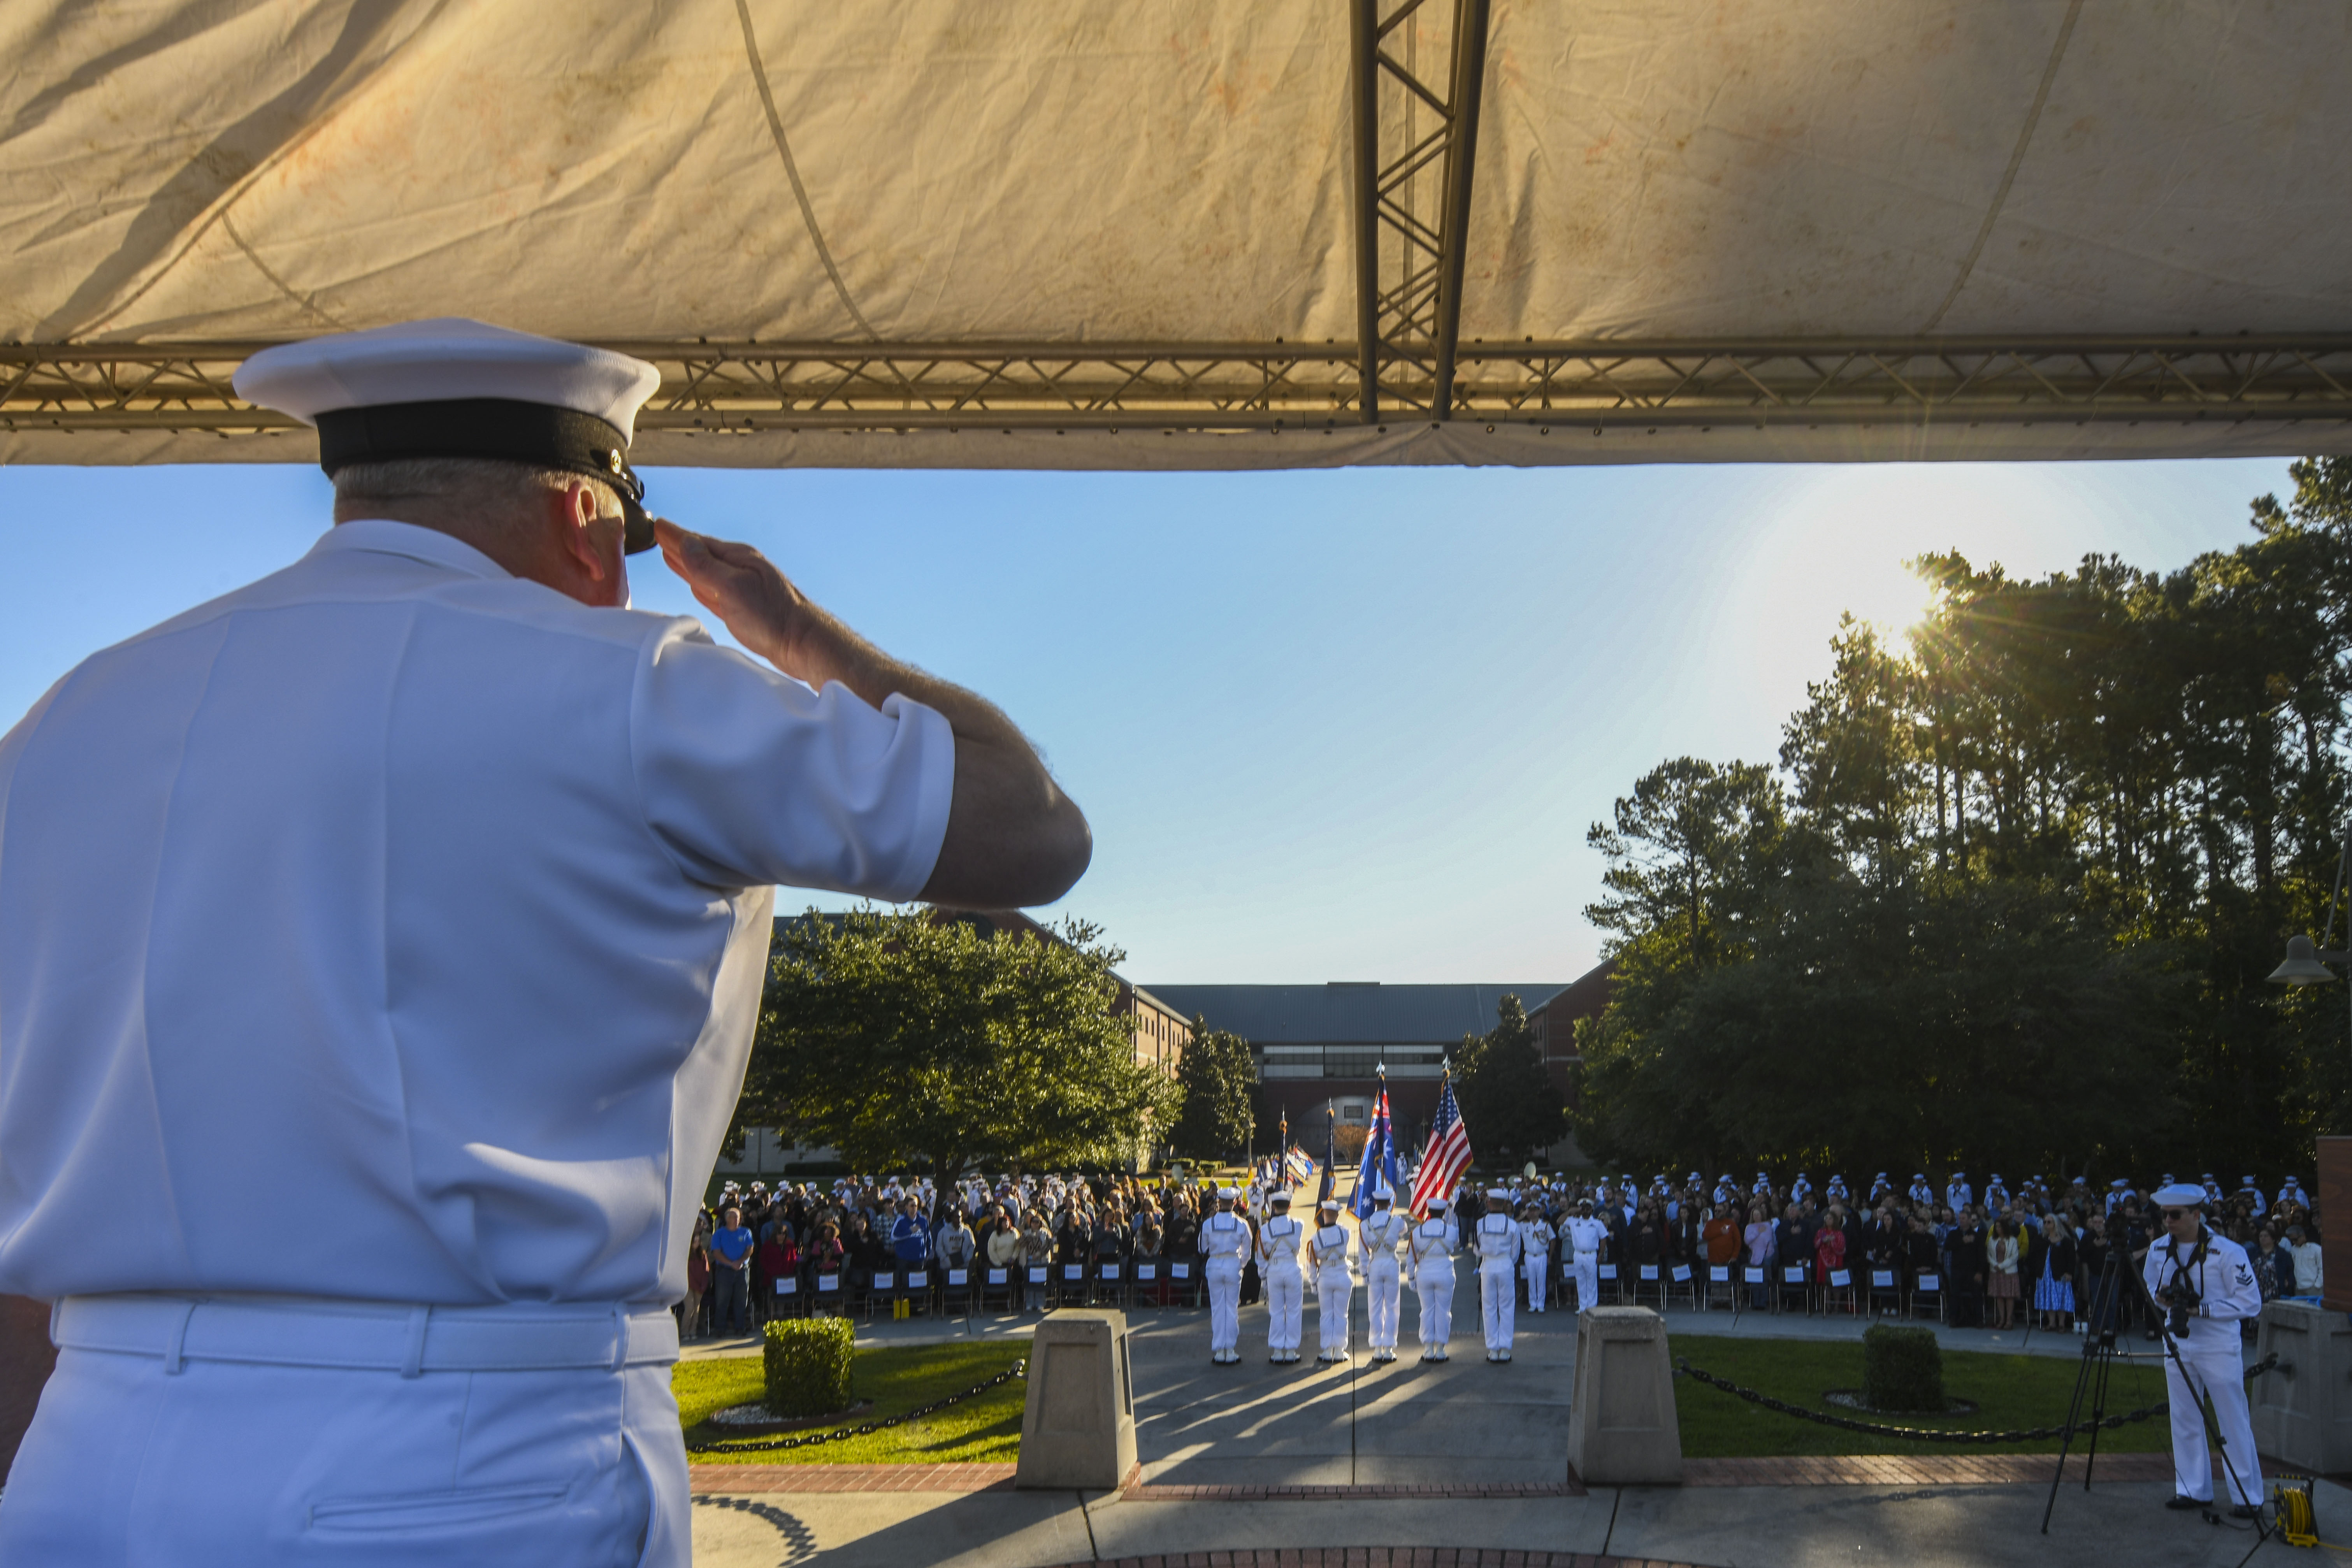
{"x": 1379, "y": 1156}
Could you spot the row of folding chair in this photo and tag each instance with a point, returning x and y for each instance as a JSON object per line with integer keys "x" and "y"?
{"x": 959, "y": 1292}
{"x": 1788, "y": 1287}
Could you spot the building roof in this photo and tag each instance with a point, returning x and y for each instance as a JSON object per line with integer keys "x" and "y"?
{"x": 1365, "y": 1013}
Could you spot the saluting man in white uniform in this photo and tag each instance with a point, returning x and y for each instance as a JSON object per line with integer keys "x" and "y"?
{"x": 1335, "y": 1285}
{"x": 1496, "y": 1240}
{"x": 425, "y": 887}
{"x": 1585, "y": 1234}
{"x": 2204, "y": 1277}
{"x": 1277, "y": 1265}
{"x": 1225, "y": 1243}
{"x": 1535, "y": 1254}
{"x": 1431, "y": 1249}
{"x": 1377, "y": 1237}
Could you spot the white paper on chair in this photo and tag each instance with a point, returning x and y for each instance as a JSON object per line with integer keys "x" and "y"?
{"x": 1881, "y": 1279}
{"x": 1794, "y": 1274}
{"x": 1074, "y": 1272}
{"x": 997, "y": 1276}
{"x": 828, "y": 1282}
{"x": 1840, "y": 1278}
{"x": 1682, "y": 1273}
{"x": 1718, "y": 1274}
{"x": 1649, "y": 1270}
{"x": 1756, "y": 1277}
{"x": 1036, "y": 1277}
{"x": 786, "y": 1287}
{"x": 958, "y": 1276}
{"x": 1930, "y": 1282}
{"x": 1179, "y": 1271}
{"x": 918, "y": 1280}
{"x": 1110, "y": 1270}
{"x": 1608, "y": 1271}
{"x": 1147, "y": 1271}
{"x": 885, "y": 1281}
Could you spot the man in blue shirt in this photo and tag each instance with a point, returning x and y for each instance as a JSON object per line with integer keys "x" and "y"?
{"x": 731, "y": 1258}
{"x": 908, "y": 1239}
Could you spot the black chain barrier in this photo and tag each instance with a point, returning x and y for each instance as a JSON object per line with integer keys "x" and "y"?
{"x": 810, "y": 1439}
{"x": 1682, "y": 1368}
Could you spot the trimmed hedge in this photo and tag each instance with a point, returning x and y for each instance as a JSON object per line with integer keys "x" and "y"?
{"x": 1902, "y": 1368}
{"x": 807, "y": 1366}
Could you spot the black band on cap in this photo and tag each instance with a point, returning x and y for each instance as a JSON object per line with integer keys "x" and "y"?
{"x": 499, "y": 429}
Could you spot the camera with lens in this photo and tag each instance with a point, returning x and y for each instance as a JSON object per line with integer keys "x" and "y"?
{"x": 2180, "y": 1301}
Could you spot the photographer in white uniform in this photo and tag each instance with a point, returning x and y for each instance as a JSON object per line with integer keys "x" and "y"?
{"x": 1225, "y": 1243}
{"x": 1535, "y": 1254}
{"x": 1377, "y": 1237}
{"x": 395, "y": 926}
{"x": 1432, "y": 1250}
{"x": 1278, "y": 1241}
{"x": 1585, "y": 1234}
{"x": 2205, "y": 1284}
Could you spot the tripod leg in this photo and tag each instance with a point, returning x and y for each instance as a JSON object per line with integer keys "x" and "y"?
{"x": 2066, "y": 1439}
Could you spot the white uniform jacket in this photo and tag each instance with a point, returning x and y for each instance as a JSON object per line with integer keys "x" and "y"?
{"x": 1496, "y": 1239}
{"x": 2224, "y": 1282}
{"x": 395, "y": 928}
{"x": 1226, "y": 1235}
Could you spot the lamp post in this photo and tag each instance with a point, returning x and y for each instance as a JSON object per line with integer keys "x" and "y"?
{"x": 2306, "y": 965}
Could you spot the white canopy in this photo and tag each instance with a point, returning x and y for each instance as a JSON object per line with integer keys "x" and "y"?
{"x": 1100, "y": 233}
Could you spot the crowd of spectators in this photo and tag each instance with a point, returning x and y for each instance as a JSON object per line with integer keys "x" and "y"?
{"x": 1996, "y": 1259}
{"x": 852, "y": 1229}
{"x": 2006, "y": 1255}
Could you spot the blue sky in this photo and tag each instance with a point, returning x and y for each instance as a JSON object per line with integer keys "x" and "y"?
{"x": 1342, "y": 725}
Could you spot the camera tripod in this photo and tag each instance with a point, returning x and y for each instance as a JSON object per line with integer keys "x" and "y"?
{"x": 2108, "y": 1298}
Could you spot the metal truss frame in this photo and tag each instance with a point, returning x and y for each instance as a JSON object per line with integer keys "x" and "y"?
{"x": 740, "y": 387}
{"x": 1411, "y": 231}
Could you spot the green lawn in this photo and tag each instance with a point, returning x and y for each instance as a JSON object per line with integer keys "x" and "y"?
{"x": 2012, "y": 1391}
{"x": 896, "y": 1379}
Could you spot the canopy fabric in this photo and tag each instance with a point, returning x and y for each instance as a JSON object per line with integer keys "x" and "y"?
{"x": 942, "y": 175}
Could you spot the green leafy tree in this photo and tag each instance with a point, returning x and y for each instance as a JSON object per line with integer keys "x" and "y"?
{"x": 905, "y": 1039}
{"x": 2016, "y": 885}
{"x": 1506, "y": 1097}
{"x": 1217, "y": 1080}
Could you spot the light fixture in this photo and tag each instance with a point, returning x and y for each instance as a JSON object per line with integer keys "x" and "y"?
{"x": 2303, "y": 965}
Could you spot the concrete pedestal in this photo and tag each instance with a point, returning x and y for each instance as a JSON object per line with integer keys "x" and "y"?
{"x": 1077, "y": 1430}
{"x": 2304, "y": 1418}
{"x": 1621, "y": 1427}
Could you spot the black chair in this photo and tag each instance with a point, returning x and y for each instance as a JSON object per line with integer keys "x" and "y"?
{"x": 1885, "y": 1291}
{"x": 829, "y": 1293}
{"x": 1110, "y": 1282}
{"x": 1648, "y": 1280}
{"x": 1611, "y": 1287}
{"x": 957, "y": 1291}
{"x": 1150, "y": 1276}
{"x": 881, "y": 1289}
{"x": 920, "y": 1282}
{"x": 1000, "y": 1286}
{"x": 1927, "y": 1291}
{"x": 1719, "y": 1284}
{"x": 1185, "y": 1281}
{"x": 784, "y": 1298}
{"x": 1070, "y": 1284}
{"x": 1838, "y": 1289}
{"x": 1792, "y": 1280}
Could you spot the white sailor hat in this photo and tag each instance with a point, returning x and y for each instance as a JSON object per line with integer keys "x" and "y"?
{"x": 1226, "y": 1195}
{"x": 1332, "y": 1204}
{"x": 2118, "y": 1184}
{"x": 2248, "y": 1180}
{"x": 1280, "y": 1195}
{"x": 1384, "y": 1193}
{"x": 1439, "y": 1206}
{"x": 2180, "y": 1195}
{"x": 449, "y": 388}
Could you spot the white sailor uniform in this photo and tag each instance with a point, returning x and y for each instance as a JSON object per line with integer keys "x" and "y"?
{"x": 1584, "y": 1234}
{"x": 2214, "y": 1353}
{"x": 1496, "y": 1240}
{"x": 1379, "y": 1236}
{"x": 1277, "y": 1265}
{"x": 1535, "y": 1256}
{"x": 1225, "y": 1242}
{"x": 1335, "y": 1290}
{"x": 1432, "y": 1246}
{"x": 400, "y": 892}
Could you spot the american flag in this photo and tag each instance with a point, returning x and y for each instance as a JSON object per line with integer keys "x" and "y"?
{"x": 1447, "y": 1156}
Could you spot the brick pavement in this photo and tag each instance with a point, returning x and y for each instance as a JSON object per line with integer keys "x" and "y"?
{"x": 1156, "y": 1492}
{"x": 1916, "y": 1470}
{"x": 809, "y": 1480}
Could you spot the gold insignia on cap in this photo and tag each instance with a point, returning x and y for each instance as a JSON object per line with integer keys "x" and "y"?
{"x": 612, "y": 459}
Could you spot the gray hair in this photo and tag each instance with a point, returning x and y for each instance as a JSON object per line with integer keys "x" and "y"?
{"x": 480, "y": 483}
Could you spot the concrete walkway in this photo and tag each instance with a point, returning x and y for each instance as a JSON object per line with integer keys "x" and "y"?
{"x": 1482, "y": 1429}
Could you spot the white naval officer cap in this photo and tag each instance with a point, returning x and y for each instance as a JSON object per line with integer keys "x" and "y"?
{"x": 1280, "y": 1195}
{"x": 1384, "y": 1193}
{"x": 450, "y": 388}
{"x": 1226, "y": 1195}
{"x": 2180, "y": 1195}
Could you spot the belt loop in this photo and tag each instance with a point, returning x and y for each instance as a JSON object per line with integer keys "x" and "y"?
{"x": 620, "y": 1336}
{"x": 171, "y": 1356}
{"x": 413, "y": 1363}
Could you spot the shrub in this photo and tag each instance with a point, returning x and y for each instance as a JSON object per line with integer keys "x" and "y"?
{"x": 1902, "y": 1368}
{"x": 807, "y": 1364}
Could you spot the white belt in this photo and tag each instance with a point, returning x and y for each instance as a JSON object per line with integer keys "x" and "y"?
{"x": 381, "y": 1336}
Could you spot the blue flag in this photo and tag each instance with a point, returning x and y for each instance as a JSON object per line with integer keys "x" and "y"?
{"x": 1379, "y": 1155}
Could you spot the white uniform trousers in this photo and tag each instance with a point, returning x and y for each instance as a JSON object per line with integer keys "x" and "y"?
{"x": 1498, "y": 1298}
{"x": 1434, "y": 1280}
{"x": 167, "y": 1436}
{"x": 1536, "y": 1269}
{"x": 1286, "y": 1291}
{"x": 1588, "y": 1279}
{"x": 1335, "y": 1299}
{"x": 1224, "y": 1275}
{"x": 1381, "y": 1294}
{"x": 2219, "y": 1371}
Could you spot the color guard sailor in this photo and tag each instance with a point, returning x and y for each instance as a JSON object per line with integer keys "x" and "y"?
{"x": 1801, "y": 1189}
{"x": 1379, "y": 1235}
{"x": 1335, "y": 1282}
{"x": 1958, "y": 1194}
{"x": 1921, "y": 1193}
{"x": 1277, "y": 1265}
{"x": 2212, "y": 1189}
{"x": 1225, "y": 1242}
{"x": 1431, "y": 1251}
{"x": 2253, "y": 1194}
{"x": 2291, "y": 1193}
{"x": 1497, "y": 1242}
